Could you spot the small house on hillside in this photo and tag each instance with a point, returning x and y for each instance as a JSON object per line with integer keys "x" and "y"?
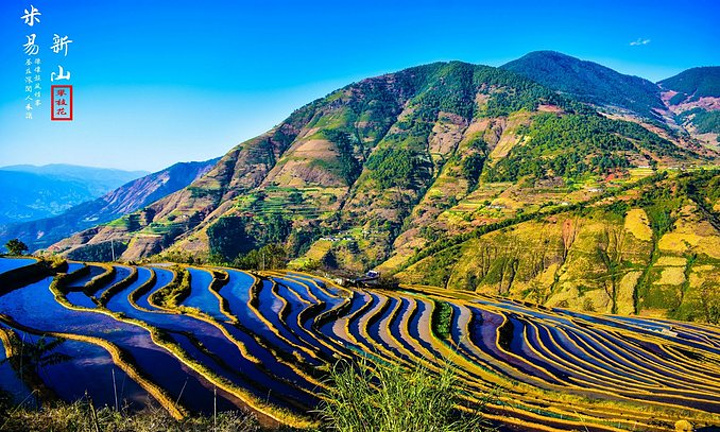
{"x": 370, "y": 278}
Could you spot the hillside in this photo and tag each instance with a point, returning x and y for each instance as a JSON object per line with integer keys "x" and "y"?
{"x": 590, "y": 82}
{"x": 696, "y": 82}
{"x": 650, "y": 250}
{"x": 31, "y": 192}
{"x": 694, "y": 97}
{"x": 382, "y": 173}
{"x": 125, "y": 199}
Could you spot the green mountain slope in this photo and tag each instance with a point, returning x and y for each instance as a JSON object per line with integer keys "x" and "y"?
{"x": 650, "y": 249}
{"x": 694, "y": 98}
{"x": 696, "y": 82}
{"x": 406, "y": 173}
{"x": 589, "y": 82}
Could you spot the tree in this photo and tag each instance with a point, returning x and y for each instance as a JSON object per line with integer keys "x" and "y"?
{"x": 228, "y": 237}
{"x": 271, "y": 256}
{"x": 16, "y": 247}
{"x": 276, "y": 229}
{"x": 570, "y": 229}
{"x": 610, "y": 252}
{"x": 295, "y": 197}
{"x": 472, "y": 167}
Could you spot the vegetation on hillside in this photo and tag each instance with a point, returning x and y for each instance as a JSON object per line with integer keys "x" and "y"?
{"x": 704, "y": 121}
{"x": 650, "y": 250}
{"x": 392, "y": 167}
{"x": 697, "y": 82}
{"x": 228, "y": 238}
{"x": 271, "y": 256}
{"x": 350, "y": 167}
{"x": 382, "y": 172}
{"x": 233, "y": 237}
{"x": 572, "y": 146}
{"x": 588, "y": 81}
{"x": 99, "y": 252}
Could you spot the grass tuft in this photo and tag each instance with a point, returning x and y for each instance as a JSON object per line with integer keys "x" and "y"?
{"x": 389, "y": 398}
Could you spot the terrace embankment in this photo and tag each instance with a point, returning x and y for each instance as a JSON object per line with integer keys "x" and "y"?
{"x": 266, "y": 342}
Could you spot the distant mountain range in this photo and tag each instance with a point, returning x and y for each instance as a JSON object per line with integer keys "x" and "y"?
{"x": 127, "y": 198}
{"x": 530, "y": 180}
{"x": 31, "y": 192}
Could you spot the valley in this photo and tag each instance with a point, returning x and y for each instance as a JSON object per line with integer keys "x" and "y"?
{"x": 508, "y": 181}
{"x": 546, "y": 231}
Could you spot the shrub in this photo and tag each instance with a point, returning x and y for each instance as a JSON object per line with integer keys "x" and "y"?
{"x": 471, "y": 168}
{"x": 349, "y": 167}
{"x": 173, "y": 294}
{"x": 228, "y": 237}
{"x": 99, "y": 252}
{"x": 393, "y": 167}
{"x": 442, "y": 319}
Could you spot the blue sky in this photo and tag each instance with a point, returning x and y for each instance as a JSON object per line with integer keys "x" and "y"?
{"x": 158, "y": 82}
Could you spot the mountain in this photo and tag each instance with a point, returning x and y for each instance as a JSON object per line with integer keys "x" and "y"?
{"x": 696, "y": 82}
{"x": 460, "y": 176}
{"x": 590, "y": 82}
{"x": 31, "y": 192}
{"x": 125, "y": 199}
{"x": 98, "y": 180}
{"x": 694, "y": 97}
{"x": 361, "y": 159}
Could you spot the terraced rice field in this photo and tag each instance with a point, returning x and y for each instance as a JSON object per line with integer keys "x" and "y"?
{"x": 265, "y": 341}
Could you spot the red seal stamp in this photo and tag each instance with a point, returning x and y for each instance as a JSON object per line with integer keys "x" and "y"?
{"x": 62, "y": 102}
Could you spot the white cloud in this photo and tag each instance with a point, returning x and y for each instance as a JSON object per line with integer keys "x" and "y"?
{"x": 639, "y": 42}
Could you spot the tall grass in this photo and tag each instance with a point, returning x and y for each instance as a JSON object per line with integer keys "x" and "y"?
{"x": 388, "y": 398}
{"x": 82, "y": 417}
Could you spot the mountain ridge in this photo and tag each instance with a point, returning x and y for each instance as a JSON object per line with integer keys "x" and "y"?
{"x": 125, "y": 199}
{"x": 700, "y": 81}
{"x": 376, "y": 172}
{"x": 31, "y": 192}
{"x": 589, "y": 82}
